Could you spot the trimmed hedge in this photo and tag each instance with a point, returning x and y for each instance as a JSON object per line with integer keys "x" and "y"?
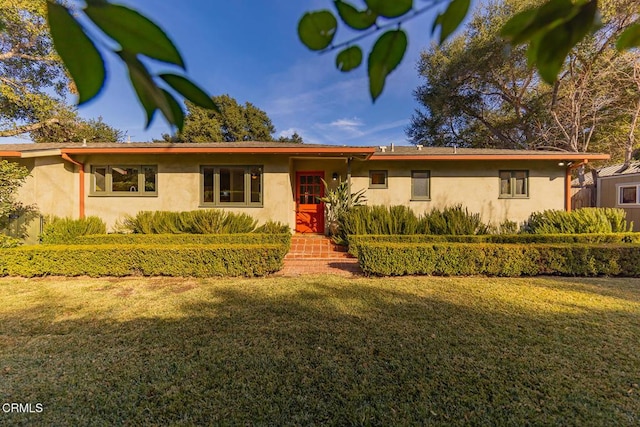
{"x": 147, "y": 260}
{"x": 184, "y": 239}
{"x": 511, "y": 260}
{"x": 356, "y": 241}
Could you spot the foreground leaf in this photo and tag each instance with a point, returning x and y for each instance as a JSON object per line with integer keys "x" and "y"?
{"x": 134, "y": 32}
{"x": 390, "y": 8}
{"x": 526, "y": 25}
{"x": 150, "y": 95}
{"x": 79, "y": 54}
{"x": 189, "y": 90}
{"x": 358, "y": 20}
{"x": 451, "y": 18}
{"x": 317, "y": 29}
{"x": 629, "y": 38}
{"x": 176, "y": 110}
{"x": 563, "y": 37}
{"x": 386, "y": 55}
{"x": 349, "y": 59}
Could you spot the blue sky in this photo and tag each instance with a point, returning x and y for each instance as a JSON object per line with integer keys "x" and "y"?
{"x": 249, "y": 49}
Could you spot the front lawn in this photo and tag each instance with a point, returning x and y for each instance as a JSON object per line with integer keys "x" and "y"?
{"x": 320, "y": 350}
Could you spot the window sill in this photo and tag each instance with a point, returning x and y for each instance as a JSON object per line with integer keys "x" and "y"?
{"x": 230, "y": 205}
{"x": 378, "y": 187}
{"x": 420, "y": 200}
{"x": 514, "y": 197}
{"x": 123, "y": 194}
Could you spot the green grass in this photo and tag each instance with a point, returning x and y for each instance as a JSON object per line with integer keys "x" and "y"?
{"x": 321, "y": 350}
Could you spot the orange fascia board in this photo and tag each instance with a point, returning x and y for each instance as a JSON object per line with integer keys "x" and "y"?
{"x": 221, "y": 150}
{"x": 560, "y": 156}
{"x": 10, "y": 154}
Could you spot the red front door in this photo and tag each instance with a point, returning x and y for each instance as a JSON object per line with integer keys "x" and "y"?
{"x": 309, "y": 208}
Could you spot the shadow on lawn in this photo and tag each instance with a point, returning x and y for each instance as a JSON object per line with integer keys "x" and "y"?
{"x": 329, "y": 352}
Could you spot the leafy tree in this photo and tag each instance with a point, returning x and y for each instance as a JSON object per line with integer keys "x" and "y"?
{"x": 79, "y": 130}
{"x": 33, "y": 82}
{"x": 32, "y": 78}
{"x": 294, "y": 138}
{"x": 478, "y": 93}
{"x": 231, "y": 122}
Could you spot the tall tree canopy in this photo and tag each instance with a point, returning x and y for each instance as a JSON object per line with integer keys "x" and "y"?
{"x": 33, "y": 82}
{"x": 233, "y": 122}
{"x": 480, "y": 92}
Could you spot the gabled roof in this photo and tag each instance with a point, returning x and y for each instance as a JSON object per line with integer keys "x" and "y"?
{"x": 619, "y": 169}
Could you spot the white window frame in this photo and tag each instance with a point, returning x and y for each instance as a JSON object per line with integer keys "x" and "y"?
{"x": 619, "y": 188}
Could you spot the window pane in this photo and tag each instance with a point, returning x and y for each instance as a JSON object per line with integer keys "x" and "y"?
{"x": 100, "y": 179}
{"x": 378, "y": 178}
{"x": 232, "y": 185}
{"x": 628, "y": 195}
{"x": 207, "y": 175}
{"x": 256, "y": 185}
{"x": 505, "y": 183}
{"x": 520, "y": 178}
{"x": 420, "y": 184}
{"x": 124, "y": 179}
{"x": 149, "y": 179}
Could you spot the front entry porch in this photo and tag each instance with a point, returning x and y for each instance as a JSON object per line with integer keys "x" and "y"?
{"x": 316, "y": 254}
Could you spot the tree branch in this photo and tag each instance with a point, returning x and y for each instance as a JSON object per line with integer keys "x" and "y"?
{"x": 19, "y": 130}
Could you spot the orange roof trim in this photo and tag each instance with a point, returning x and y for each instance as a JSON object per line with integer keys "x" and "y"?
{"x": 10, "y": 154}
{"x": 222, "y": 150}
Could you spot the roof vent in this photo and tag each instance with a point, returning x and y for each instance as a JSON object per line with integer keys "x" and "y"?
{"x": 84, "y": 142}
{"x": 455, "y": 149}
{"x": 383, "y": 148}
{"x": 393, "y": 147}
{"x": 419, "y": 147}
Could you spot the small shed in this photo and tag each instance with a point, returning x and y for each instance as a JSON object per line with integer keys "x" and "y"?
{"x": 618, "y": 186}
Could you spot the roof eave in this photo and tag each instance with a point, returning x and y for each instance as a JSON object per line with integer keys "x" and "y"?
{"x": 488, "y": 157}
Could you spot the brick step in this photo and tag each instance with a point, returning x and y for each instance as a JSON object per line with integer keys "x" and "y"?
{"x": 316, "y": 247}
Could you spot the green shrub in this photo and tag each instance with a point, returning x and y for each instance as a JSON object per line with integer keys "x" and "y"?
{"x": 273, "y": 227}
{"x": 585, "y": 220}
{"x": 8, "y": 242}
{"x": 400, "y": 220}
{"x": 611, "y": 238}
{"x": 462, "y": 259}
{"x": 185, "y": 239}
{"x": 147, "y": 260}
{"x": 206, "y": 221}
{"x": 64, "y": 230}
{"x": 454, "y": 220}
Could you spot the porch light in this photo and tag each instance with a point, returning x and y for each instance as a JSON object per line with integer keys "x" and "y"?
{"x": 334, "y": 177}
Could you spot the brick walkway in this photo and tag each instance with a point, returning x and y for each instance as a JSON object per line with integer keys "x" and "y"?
{"x": 314, "y": 254}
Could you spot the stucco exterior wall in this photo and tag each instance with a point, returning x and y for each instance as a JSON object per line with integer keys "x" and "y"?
{"x": 608, "y": 196}
{"x": 179, "y": 186}
{"x": 54, "y": 185}
{"x": 51, "y": 185}
{"x": 474, "y": 184}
